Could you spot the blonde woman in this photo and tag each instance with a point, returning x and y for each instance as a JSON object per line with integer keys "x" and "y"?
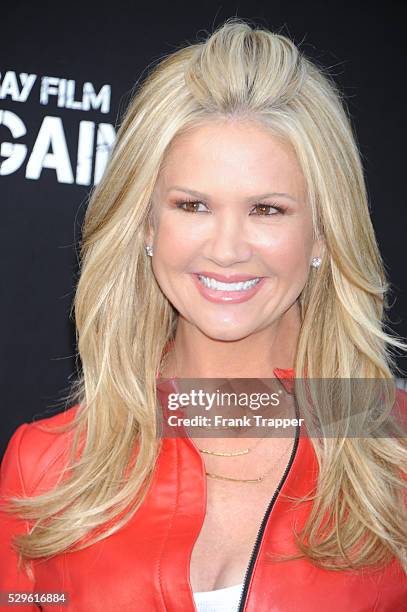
{"x": 229, "y": 238}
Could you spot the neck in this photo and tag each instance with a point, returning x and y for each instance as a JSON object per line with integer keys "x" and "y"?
{"x": 195, "y": 355}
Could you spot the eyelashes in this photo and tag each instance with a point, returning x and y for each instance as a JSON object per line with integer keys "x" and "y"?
{"x": 192, "y": 206}
{"x": 267, "y": 208}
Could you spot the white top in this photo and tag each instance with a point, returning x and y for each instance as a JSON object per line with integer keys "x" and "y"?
{"x": 220, "y": 600}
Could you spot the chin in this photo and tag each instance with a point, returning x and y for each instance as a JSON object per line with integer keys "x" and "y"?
{"x": 225, "y": 333}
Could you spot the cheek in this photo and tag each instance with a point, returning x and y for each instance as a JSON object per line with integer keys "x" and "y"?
{"x": 287, "y": 256}
{"x": 170, "y": 239}
{"x": 287, "y": 250}
{"x": 174, "y": 247}
{"x": 177, "y": 238}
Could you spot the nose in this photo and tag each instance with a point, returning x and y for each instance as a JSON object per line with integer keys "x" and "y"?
{"x": 229, "y": 243}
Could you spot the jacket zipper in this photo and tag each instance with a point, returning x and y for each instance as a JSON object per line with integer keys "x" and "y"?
{"x": 259, "y": 537}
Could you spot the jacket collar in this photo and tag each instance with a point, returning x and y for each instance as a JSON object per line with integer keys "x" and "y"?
{"x": 286, "y": 377}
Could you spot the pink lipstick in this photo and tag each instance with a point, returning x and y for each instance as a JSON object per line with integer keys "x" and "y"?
{"x": 227, "y": 289}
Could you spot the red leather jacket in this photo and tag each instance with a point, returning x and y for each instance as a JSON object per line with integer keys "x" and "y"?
{"x": 144, "y": 567}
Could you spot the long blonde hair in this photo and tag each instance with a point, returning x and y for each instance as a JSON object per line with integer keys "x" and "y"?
{"x": 124, "y": 320}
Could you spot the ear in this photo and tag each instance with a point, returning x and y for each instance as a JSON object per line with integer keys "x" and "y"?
{"x": 319, "y": 248}
{"x": 149, "y": 235}
{"x": 149, "y": 231}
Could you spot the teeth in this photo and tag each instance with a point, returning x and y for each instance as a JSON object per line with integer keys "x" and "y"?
{"x": 211, "y": 283}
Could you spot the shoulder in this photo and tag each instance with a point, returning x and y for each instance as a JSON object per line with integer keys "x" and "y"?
{"x": 33, "y": 449}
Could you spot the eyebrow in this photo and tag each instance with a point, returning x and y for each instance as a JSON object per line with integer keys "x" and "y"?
{"x": 199, "y": 194}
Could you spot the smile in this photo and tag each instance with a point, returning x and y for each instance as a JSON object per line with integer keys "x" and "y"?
{"x": 221, "y": 292}
{"x": 211, "y": 283}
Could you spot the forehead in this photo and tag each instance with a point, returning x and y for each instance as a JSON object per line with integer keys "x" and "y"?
{"x": 234, "y": 155}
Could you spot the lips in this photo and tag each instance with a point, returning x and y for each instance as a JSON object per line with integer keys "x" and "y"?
{"x": 224, "y": 296}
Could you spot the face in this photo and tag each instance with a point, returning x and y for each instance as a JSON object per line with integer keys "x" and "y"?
{"x": 231, "y": 229}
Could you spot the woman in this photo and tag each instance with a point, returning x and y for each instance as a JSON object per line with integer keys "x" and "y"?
{"x": 229, "y": 238}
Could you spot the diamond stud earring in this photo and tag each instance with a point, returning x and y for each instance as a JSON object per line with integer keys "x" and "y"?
{"x": 149, "y": 250}
{"x": 316, "y": 262}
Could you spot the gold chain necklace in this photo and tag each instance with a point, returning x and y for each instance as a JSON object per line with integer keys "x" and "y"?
{"x": 245, "y": 451}
{"x": 258, "y": 479}
{"x": 225, "y": 454}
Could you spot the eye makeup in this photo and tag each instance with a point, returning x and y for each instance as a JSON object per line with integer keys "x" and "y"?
{"x": 184, "y": 204}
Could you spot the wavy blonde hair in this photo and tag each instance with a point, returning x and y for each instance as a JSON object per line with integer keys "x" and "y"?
{"x": 124, "y": 320}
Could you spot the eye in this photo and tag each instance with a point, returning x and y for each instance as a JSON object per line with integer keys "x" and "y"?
{"x": 266, "y": 210}
{"x": 190, "y": 206}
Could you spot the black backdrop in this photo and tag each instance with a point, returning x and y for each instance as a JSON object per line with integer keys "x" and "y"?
{"x": 67, "y": 72}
